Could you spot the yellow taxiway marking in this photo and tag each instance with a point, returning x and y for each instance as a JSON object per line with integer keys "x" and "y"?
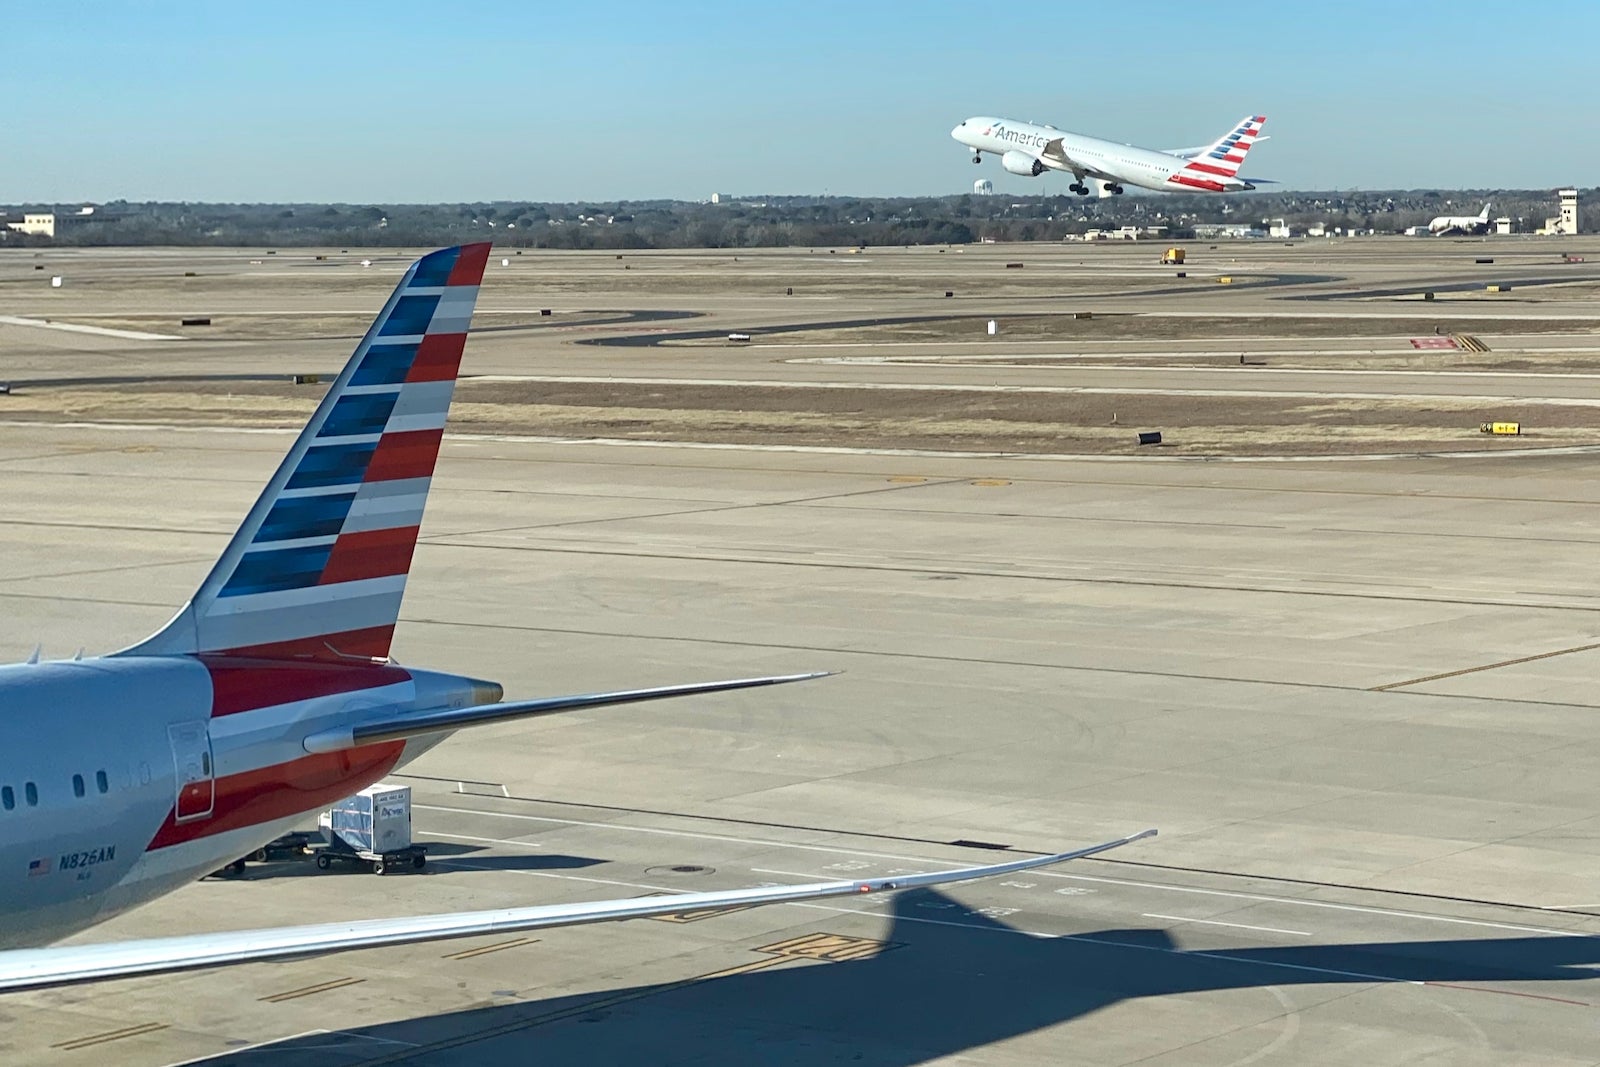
{"x": 306, "y": 991}
{"x": 484, "y": 950}
{"x": 110, "y": 1035}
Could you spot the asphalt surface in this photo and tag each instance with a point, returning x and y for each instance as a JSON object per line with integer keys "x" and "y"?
{"x": 1356, "y": 697}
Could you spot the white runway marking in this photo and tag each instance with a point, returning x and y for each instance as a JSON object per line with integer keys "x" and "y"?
{"x": 1086, "y": 390}
{"x": 987, "y": 363}
{"x": 838, "y": 450}
{"x": 1245, "y": 346}
{"x": 488, "y": 840}
{"x": 931, "y": 864}
{"x": 98, "y": 331}
{"x": 1039, "y": 934}
{"x": 1216, "y": 922}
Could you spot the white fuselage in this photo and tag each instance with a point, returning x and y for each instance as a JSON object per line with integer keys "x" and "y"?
{"x": 1466, "y": 224}
{"x": 122, "y": 779}
{"x": 1121, "y": 163}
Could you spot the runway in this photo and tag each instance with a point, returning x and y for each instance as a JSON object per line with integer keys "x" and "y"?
{"x": 1355, "y": 696}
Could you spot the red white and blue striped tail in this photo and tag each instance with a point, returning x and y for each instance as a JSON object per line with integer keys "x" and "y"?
{"x": 317, "y": 570}
{"x": 1216, "y": 167}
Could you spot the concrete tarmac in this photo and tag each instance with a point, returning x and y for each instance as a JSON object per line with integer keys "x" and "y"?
{"x": 1355, "y": 696}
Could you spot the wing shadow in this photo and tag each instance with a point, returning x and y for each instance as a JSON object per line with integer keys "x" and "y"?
{"x": 944, "y": 988}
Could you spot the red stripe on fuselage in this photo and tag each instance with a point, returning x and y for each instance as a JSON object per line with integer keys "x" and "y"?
{"x": 1209, "y": 168}
{"x": 369, "y": 643}
{"x": 410, "y": 454}
{"x": 239, "y": 684}
{"x": 283, "y": 790}
{"x": 438, "y": 358}
{"x": 469, "y": 265}
{"x": 370, "y": 554}
{"x": 1197, "y": 183}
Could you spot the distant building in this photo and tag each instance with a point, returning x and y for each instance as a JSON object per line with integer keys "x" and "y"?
{"x": 1569, "y": 211}
{"x": 983, "y": 187}
{"x": 1279, "y": 228}
{"x": 35, "y": 224}
{"x": 52, "y": 223}
{"x": 1502, "y": 225}
{"x": 1566, "y": 223}
{"x": 717, "y": 198}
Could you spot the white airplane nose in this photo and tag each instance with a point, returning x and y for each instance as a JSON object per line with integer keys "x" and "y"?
{"x": 956, "y": 133}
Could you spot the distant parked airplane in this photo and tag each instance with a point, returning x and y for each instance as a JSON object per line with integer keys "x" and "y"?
{"x": 1031, "y": 150}
{"x": 1464, "y": 224}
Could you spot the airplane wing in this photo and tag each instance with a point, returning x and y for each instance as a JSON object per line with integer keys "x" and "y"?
{"x": 400, "y": 727}
{"x": 1054, "y": 155}
{"x": 68, "y": 965}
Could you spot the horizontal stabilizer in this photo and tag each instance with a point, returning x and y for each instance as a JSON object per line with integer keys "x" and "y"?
{"x": 400, "y": 727}
{"x": 42, "y": 967}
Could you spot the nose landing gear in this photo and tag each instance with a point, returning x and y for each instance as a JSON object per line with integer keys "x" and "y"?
{"x": 977, "y": 157}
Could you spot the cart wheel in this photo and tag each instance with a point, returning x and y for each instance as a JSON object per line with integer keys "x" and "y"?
{"x": 259, "y": 855}
{"x": 378, "y": 866}
{"x": 236, "y": 867}
{"x": 323, "y": 863}
{"x": 419, "y": 861}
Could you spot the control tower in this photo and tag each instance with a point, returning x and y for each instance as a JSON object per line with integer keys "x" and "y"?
{"x": 1567, "y": 221}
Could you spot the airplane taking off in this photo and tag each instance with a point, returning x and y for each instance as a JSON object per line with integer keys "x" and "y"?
{"x": 1443, "y": 225}
{"x": 1031, "y": 150}
{"x": 271, "y": 694}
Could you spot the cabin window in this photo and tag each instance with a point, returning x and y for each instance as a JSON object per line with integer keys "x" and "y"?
{"x": 101, "y": 782}
{"x": 30, "y": 792}
{"x": 77, "y": 785}
{"x": 8, "y": 797}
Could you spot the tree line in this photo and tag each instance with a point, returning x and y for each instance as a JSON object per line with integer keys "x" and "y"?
{"x": 760, "y": 221}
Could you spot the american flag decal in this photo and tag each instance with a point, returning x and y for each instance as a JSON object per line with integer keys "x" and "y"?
{"x": 38, "y": 867}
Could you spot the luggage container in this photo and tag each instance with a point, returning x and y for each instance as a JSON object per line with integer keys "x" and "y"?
{"x": 374, "y": 828}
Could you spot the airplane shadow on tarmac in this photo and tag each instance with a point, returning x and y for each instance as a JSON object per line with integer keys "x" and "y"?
{"x": 948, "y": 985}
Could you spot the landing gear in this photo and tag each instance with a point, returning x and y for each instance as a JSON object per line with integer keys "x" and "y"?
{"x": 1116, "y": 190}
{"x": 1079, "y": 188}
{"x": 977, "y": 157}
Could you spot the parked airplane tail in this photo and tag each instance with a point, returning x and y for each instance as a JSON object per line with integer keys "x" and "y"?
{"x": 1226, "y": 155}
{"x": 1483, "y": 216}
{"x": 318, "y": 567}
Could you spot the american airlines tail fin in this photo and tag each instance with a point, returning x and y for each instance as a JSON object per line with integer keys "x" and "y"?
{"x": 318, "y": 567}
{"x": 1224, "y": 157}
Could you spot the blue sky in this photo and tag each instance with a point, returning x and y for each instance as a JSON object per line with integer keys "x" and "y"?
{"x": 365, "y": 102}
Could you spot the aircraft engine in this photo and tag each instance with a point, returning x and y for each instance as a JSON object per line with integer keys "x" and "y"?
{"x": 1022, "y": 163}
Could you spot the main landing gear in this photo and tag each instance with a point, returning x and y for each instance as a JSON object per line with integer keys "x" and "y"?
{"x": 1079, "y": 188}
{"x": 1117, "y": 190}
